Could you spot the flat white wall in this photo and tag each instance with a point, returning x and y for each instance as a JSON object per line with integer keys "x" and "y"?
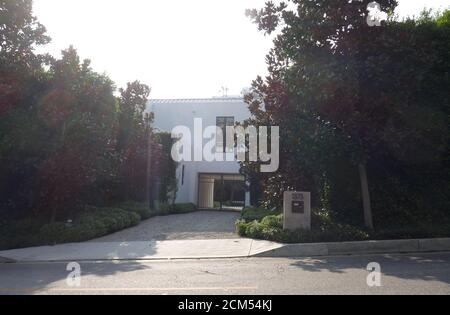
{"x": 172, "y": 113}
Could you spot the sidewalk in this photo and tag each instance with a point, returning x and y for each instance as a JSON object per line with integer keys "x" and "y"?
{"x": 152, "y": 250}
{"x": 209, "y": 249}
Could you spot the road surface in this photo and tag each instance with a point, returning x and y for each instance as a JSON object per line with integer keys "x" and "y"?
{"x": 401, "y": 274}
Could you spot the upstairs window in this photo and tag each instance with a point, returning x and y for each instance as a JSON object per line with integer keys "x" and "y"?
{"x": 222, "y": 123}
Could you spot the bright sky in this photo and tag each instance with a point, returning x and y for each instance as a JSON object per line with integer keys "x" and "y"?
{"x": 181, "y": 49}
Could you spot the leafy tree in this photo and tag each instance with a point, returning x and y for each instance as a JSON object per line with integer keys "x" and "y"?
{"x": 345, "y": 91}
{"x": 65, "y": 140}
{"x": 79, "y": 112}
{"x": 20, "y": 34}
{"x": 167, "y": 168}
{"x": 133, "y": 140}
{"x": 22, "y": 82}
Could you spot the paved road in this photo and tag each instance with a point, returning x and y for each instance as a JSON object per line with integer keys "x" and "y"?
{"x": 402, "y": 274}
{"x": 192, "y": 226}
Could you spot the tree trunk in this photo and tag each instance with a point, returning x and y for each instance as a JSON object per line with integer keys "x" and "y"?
{"x": 149, "y": 170}
{"x": 368, "y": 219}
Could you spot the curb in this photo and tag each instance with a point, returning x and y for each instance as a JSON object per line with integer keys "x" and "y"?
{"x": 357, "y": 248}
{"x": 4, "y": 260}
{"x": 263, "y": 249}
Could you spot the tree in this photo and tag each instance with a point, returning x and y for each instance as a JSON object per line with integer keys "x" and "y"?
{"x": 20, "y": 34}
{"x": 79, "y": 111}
{"x": 167, "y": 168}
{"x": 133, "y": 140}
{"x": 343, "y": 90}
{"x": 66, "y": 140}
{"x": 22, "y": 83}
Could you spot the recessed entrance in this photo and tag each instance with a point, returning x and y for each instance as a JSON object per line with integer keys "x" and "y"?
{"x": 221, "y": 191}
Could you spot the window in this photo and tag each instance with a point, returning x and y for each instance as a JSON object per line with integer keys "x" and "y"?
{"x": 223, "y": 123}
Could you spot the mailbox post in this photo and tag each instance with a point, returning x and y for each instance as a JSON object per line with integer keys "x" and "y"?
{"x": 297, "y": 210}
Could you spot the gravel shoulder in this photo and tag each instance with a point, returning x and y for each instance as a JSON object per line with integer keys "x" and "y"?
{"x": 191, "y": 226}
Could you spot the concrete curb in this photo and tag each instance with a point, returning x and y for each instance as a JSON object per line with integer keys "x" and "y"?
{"x": 4, "y": 260}
{"x": 214, "y": 249}
{"x": 358, "y": 248}
{"x": 135, "y": 251}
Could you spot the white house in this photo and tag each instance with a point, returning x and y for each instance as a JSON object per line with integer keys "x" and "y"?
{"x": 209, "y": 185}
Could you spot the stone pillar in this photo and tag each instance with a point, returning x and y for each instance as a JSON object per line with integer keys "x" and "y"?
{"x": 297, "y": 210}
{"x": 206, "y": 193}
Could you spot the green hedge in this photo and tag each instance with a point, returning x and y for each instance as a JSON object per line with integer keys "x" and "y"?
{"x": 145, "y": 213}
{"x": 249, "y": 214}
{"x": 141, "y": 208}
{"x": 271, "y": 228}
{"x": 324, "y": 229}
{"x": 180, "y": 208}
{"x": 93, "y": 223}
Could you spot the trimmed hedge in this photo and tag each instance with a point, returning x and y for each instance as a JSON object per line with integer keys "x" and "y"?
{"x": 145, "y": 213}
{"x": 141, "y": 208}
{"x": 325, "y": 230}
{"x": 271, "y": 228}
{"x": 251, "y": 213}
{"x": 93, "y": 223}
{"x": 179, "y": 208}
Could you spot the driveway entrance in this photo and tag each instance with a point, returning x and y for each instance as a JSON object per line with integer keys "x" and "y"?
{"x": 192, "y": 226}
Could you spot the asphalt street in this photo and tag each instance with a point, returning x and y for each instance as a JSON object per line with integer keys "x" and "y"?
{"x": 400, "y": 274}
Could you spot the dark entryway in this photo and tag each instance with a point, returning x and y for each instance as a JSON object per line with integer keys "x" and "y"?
{"x": 222, "y": 191}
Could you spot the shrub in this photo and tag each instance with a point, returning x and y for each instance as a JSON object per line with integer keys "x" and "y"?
{"x": 252, "y": 213}
{"x": 179, "y": 208}
{"x": 324, "y": 229}
{"x": 140, "y": 208}
{"x": 164, "y": 209}
{"x": 92, "y": 223}
{"x": 184, "y": 208}
{"x": 271, "y": 228}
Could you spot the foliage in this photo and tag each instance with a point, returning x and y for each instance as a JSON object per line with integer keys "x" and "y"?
{"x": 78, "y": 110}
{"x": 132, "y": 141}
{"x": 91, "y": 223}
{"x": 20, "y": 34}
{"x": 141, "y": 208}
{"x": 249, "y": 214}
{"x": 347, "y": 94}
{"x": 325, "y": 229}
{"x": 179, "y": 208}
{"x": 167, "y": 168}
{"x": 66, "y": 140}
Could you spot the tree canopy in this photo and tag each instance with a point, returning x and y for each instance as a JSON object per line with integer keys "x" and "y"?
{"x": 66, "y": 139}
{"x": 354, "y": 97}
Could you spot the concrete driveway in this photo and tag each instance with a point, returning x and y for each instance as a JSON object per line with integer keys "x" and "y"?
{"x": 200, "y": 225}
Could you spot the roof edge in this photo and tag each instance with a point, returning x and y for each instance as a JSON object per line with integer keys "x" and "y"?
{"x": 196, "y": 100}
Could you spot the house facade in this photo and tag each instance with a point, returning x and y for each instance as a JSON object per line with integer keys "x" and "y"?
{"x": 209, "y": 185}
